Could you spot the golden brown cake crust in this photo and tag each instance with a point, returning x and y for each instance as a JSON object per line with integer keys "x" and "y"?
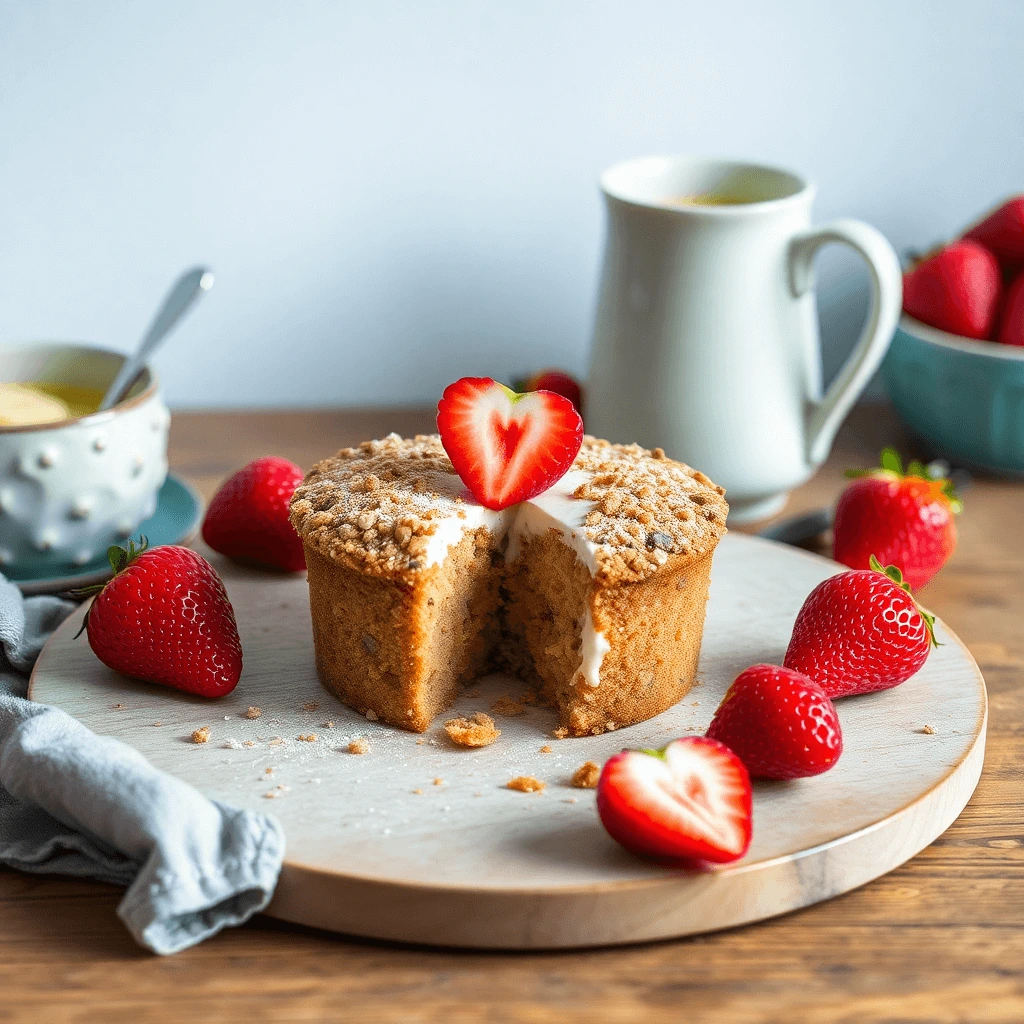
{"x": 374, "y": 508}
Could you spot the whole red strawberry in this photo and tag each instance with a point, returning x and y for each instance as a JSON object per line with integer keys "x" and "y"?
{"x": 1011, "y": 324}
{"x": 558, "y": 381}
{"x": 903, "y": 519}
{"x": 957, "y": 290}
{"x": 1003, "y": 231}
{"x": 507, "y": 447}
{"x": 779, "y": 723}
{"x": 248, "y": 517}
{"x": 165, "y": 618}
{"x": 860, "y": 631}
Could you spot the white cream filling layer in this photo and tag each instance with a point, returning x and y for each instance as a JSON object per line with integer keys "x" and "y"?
{"x": 555, "y": 509}
{"x": 454, "y": 527}
{"x": 593, "y": 649}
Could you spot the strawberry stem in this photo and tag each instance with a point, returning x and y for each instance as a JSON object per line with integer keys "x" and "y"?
{"x": 654, "y": 753}
{"x": 893, "y": 572}
{"x": 120, "y": 558}
{"x": 891, "y": 463}
{"x": 513, "y": 396}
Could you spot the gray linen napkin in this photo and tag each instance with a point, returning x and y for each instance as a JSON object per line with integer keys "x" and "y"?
{"x": 75, "y": 803}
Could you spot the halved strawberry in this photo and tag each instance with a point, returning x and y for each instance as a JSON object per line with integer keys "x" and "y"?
{"x": 690, "y": 800}
{"x": 507, "y": 447}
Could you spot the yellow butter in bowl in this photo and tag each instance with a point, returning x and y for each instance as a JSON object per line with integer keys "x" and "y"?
{"x": 22, "y": 405}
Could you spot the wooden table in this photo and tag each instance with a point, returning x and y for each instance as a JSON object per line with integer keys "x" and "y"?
{"x": 940, "y": 939}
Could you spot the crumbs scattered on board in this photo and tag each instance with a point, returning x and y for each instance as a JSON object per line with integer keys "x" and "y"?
{"x": 201, "y": 735}
{"x": 254, "y": 712}
{"x": 525, "y": 784}
{"x": 478, "y": 731}
{"x": 586, "y": 776}
{"x": 508, "y": 707}
{"x": 358, "y": 746}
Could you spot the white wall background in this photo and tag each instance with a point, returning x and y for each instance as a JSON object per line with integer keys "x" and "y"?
{"x": 396, "y": 194}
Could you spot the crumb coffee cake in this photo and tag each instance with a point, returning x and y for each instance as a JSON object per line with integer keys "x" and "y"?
{"x": 592, "y": 592}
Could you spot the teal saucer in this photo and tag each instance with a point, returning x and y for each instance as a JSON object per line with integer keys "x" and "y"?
{"x": 178, "y": 512}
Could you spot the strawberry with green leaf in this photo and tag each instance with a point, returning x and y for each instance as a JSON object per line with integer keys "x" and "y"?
{"x": 906, "y": 519}
{"x": 166, "y": 618}
{"x": 860, "y": 631}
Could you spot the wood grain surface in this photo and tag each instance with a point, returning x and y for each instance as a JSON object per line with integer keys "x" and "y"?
{"x": 939, "y": 939}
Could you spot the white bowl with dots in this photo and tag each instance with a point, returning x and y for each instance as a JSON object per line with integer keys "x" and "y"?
{"x": 71, "y": 488}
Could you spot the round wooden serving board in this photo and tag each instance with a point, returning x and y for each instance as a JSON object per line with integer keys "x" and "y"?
{"x": 418, "y": 840}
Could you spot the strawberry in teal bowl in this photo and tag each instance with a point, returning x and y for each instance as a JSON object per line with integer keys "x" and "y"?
{"x": 963, "y": 397}
{"x": 955, "y": 369}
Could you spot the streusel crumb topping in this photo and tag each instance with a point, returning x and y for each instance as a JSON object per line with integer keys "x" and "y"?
{"x": 376, "y": 507}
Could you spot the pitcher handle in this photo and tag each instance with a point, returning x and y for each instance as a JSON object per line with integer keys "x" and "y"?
{"x": 824, "y": 417}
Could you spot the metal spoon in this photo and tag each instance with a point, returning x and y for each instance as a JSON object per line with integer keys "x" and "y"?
{"x": 188, "y": 288}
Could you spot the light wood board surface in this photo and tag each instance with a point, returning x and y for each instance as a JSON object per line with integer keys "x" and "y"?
{"x": 376, "y": 848}
{"x": 936, "y": 940}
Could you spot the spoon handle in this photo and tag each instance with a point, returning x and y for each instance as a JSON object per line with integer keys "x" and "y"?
{"x": 188, "y": 288}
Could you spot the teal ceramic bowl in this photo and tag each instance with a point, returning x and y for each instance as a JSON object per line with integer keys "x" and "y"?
{"x": 964, "y": 397}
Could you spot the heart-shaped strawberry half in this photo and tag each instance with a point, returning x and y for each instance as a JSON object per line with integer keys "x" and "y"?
{"x": 690, "y": 800}
{"x": 507, "y": 447}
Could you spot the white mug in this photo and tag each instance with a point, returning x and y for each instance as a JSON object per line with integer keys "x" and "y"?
{"x": 706, "y": 341}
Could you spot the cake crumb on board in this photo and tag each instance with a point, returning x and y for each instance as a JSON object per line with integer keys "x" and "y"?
{"x": 508, "y": 707}
{"x": 525, "y": 784}
{"x": 254, "y": 712}
{"x": 307, "y": 737}
{"x": 358, "y": 746}
{"x": 201, "y": 735}
{"x": 311, "y": 705}
{"x": 560, "y": 733}
{"x": 477, "y": 731}
{"x": 546, "y": 749}
{"x": 928, "y": 730}
{"x": 586, "y": 776}
{"x": 438, "y": 782}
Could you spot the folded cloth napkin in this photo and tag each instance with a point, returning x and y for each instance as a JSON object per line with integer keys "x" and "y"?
{"x": 75, "y": 803}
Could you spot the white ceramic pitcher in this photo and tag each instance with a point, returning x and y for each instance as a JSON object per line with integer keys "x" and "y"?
{"x": 706, "y": 341}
